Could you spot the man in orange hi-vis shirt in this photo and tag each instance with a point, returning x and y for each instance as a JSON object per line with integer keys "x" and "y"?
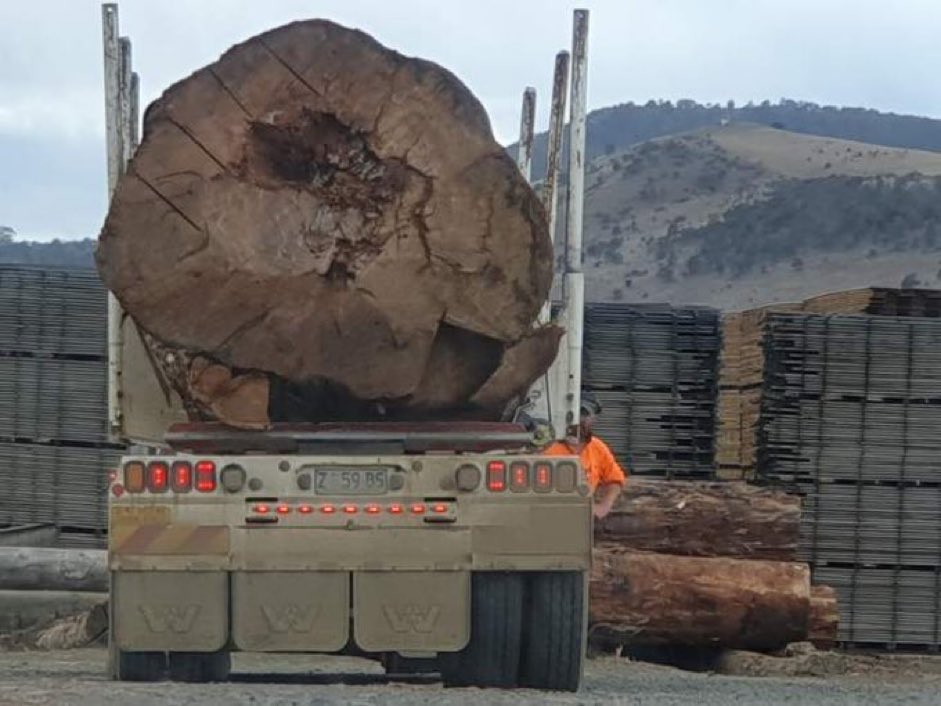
{"x": 601, "y": 468}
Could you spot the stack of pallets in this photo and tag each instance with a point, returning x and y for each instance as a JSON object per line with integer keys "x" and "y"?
{"x": 846, "y": 411}
{"x": 54, "y": 448}
{"x": 653, "y": 368}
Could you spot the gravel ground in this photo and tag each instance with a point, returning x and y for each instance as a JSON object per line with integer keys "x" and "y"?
{"x": 77, "y": 677}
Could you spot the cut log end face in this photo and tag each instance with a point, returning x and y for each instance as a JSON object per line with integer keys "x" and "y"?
{"x": 314, "y": 206}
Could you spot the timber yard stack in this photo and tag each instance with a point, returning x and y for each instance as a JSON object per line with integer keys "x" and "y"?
{"x": 54, "y": 449}
{"x": 848, "y": 390}
{"x": 654, "y": 369}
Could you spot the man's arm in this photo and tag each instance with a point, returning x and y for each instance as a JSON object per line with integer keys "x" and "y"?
{"x": 607, "y": 495}
{"x": 611, "y": 481}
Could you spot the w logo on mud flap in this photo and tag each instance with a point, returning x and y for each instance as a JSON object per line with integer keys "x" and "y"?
{"x": 290, "y": 618}
{"x": 170, "y": 618}
{"x": 411, "y": 618}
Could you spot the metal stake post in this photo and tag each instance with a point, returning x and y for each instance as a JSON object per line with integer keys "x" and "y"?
{"x": 527, "y": 123}
{"x": 121, "y": 136}
{"x": 574, "y": 294}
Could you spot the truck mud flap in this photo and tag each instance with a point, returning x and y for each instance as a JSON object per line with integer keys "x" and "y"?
{"x": 422, "y": 611}
{"x": 170, "y": 610}
{"x": 290, "y": 611}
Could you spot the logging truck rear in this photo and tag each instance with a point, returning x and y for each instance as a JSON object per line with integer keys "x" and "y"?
{"x": 448, "y": 547}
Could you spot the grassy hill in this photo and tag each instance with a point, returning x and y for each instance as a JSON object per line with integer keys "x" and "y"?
{"x": 741, "y": 215}
{"x": 616, "y": 128}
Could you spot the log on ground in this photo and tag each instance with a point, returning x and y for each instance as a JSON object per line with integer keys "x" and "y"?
{"x": 46, "y": 569}
{"x": 705, "y": 519}
{"x": 824, "y": 622}
{"x": 319, "y": 215}
{"x": 659, "y": 599}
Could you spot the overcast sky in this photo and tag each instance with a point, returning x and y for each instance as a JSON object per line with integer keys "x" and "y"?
{"x": 870, "y": 53}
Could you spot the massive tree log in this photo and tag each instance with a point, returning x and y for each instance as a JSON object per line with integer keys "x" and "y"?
{"x": 658, "y": 599}
{"x": 319, "y": 216}
{"x": 705, "y": 519}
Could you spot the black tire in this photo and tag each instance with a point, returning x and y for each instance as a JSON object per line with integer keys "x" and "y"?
{"x": 199, "y": 667}
{"x": 141, "y": 666}
{"x": 394, "y": 663}
{"x": 554, "y": 637}
{"x": 491, "y": 658}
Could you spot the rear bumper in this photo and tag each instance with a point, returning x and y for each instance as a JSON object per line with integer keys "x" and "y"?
{"x": 183, "y": 587}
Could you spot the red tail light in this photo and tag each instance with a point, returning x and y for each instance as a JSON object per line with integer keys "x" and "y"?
{"x": 396, "y": 509}
{"x": 496, "y": 476}
{"x": 373, "y": 509}
{"x": 205, "y": 476}
{"x": 134, "y": 477}
{"x": 181, "y": 477}
{"x": 158, "y": 477}
{"x": 350, "y": 509}
{"x": 418, "y": 509}
{"x": 283, "y": 509}
{"x": 543, "y": 480}
{"x": 439, "y": 509}
{"x": 519, "y": 476}
{"x": 328, "y": 509}
{"x": 305, "y": 509}
{"x": 261, "y": 509}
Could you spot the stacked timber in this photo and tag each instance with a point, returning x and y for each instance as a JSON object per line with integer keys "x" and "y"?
{"x": 54, "y": 446}
{"x": 705, "y": 565}
{"x": 316, "y": 227}
{"x": 846, "y": 412}
{"x": 653, "y": 369}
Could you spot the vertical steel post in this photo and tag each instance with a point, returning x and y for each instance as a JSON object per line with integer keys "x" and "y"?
{"x": 574, "y": 296}
{"x": 524, "y": 155}
{"x": 550, "y": 192}
{"x": 554, "y": 384}
{"x": 124, "y": 102}
{"x": 112, "y": 57}
{"x": 120, "y": 135}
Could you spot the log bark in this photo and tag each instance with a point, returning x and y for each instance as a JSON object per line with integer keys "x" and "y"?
{"x": 824, "y": 617}
{"x": 42, "y": 569}
{"x": 658, "y": 599}
{"x": 317, "y": 213}
{"x": 704, "y": 519}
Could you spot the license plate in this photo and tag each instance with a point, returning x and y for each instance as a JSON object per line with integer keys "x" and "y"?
{"x": 351, "y": 481}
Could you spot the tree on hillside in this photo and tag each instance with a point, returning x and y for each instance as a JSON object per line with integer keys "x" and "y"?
{"x": 6, "y": 235}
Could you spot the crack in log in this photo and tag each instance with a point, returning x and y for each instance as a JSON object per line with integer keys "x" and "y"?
{"x": 179, "y": 126}
{"x": 172, "y": 205}
{"x": 290, "y": 68}
{"x": 244, "y": 326}
{"x": 229, "y": 92}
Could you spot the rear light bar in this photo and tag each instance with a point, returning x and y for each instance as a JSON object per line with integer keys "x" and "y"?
{"x": 437, "y": 508}
{"x": 160, "y": 476}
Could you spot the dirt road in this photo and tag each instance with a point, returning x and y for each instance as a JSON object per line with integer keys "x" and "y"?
{"x": 77, "y": 678}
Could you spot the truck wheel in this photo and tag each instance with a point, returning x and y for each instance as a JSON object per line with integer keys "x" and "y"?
{"x": 200, "y": 666}
{"x": 554, "y": 637}
{"x": 141, "y": 666}
{"x": 492, "y": 656}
